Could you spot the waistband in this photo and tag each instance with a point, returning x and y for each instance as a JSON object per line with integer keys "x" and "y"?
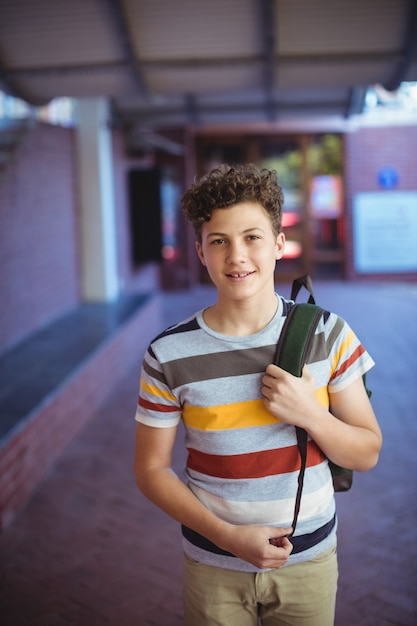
{"x": 300, "y": 543}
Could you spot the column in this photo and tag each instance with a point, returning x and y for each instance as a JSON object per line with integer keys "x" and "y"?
{"x": 99, "y": 275}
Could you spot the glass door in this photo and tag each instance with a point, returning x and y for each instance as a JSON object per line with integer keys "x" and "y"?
{"x": 286, "y": 156}
{"x": 326, "y": 204}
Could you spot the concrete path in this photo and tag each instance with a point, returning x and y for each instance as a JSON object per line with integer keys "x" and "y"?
{"x": 89, "y": 550}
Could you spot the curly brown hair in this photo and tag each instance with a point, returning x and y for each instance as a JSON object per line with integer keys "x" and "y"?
{"x": 227, "y": 185}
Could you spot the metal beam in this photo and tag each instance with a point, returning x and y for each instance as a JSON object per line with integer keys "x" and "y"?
{"x": 356, "y": 101}
{"x": 191, "y": 108}
{"x": 268, "y": 37}
{"x": 9, "y": 86}
{"x": 150, "y": 115}
{"x": 409, "y": 48}
{"x": 172, "y": 64}
{"x": 121, "y": 25}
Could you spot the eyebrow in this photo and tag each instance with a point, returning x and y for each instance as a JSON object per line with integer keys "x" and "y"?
{"x": 247, "y": 230}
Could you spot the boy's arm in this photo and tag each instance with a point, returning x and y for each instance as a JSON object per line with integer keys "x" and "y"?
{"x": 348, "y": 433}
{"x": 353, "y": 408}
{"x": 160, "y": 484}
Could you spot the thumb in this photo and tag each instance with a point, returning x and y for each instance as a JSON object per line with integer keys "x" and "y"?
{"x": 306, "y": 373}
{"x": 280, "y": 535}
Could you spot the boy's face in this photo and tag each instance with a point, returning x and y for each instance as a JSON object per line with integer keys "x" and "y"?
{"x": 239, "y": 249}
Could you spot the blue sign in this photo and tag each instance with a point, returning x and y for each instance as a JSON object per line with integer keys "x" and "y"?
{"x": 388, "y": 177}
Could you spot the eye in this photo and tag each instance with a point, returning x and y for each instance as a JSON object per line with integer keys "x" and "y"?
{"x": 253, "y": 237}
{"x": 217, "y": 242}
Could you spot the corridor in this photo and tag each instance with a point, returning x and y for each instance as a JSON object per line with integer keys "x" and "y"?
{"x": 89, "y": 550}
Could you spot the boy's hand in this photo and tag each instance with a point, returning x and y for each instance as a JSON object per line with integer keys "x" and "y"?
{"x": 290, "y": 398}
{"x": 261, "y": 546}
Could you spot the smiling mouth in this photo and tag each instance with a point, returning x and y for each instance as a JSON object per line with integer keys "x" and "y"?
{"x": 240, "y": 274}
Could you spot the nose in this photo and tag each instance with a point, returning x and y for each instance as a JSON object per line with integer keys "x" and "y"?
{"x": 236, "y": 252}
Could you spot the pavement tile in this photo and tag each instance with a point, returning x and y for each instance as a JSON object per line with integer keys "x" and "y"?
{"x": 89, "y": 550}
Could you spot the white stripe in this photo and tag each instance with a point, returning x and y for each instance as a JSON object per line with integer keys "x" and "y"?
{"x": 270, "y": 513}
{"x": 159, "y": 421}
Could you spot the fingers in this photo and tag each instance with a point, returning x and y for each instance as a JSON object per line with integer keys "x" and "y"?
{"x": 277, "y": 372}
{"x": 306, "y": 373}
{"x": 283, "y": 548}
{"x": 280, "y": 537}
{"x": 273, "y": 370}
{"x": 272, "y": 375}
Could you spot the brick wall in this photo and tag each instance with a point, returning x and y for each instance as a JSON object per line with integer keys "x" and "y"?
{"x": 39, "y": 281}
{"x": 30, "y": 452}
{"x": 367, "y": 150}
{"x": 38, "y": 234}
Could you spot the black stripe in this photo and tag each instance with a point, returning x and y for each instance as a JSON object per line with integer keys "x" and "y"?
{"x": 300, "y": 543}
{"x": 202, "y": 542}
{"x": 305, "y": 542}
{"x": 183, "y": 327}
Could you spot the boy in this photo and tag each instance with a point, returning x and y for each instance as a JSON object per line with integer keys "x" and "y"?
{"x": 214, "y": 371}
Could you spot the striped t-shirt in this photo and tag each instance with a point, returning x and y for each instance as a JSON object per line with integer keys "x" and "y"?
{"x": 242, "y": 461}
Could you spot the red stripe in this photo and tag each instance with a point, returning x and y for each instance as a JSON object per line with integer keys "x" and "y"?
{"x": 253, "y": 464}
{"x": 353, "y": 357}
{"x": 161, "y": 408}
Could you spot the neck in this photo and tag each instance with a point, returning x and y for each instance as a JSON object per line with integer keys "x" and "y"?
{"x": 240, "y": 319}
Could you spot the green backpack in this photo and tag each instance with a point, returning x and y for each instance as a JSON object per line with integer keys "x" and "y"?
{"x": 291, "y": 354}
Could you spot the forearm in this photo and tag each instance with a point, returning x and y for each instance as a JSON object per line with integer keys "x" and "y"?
{"x": 163, "y": 487}
{"x": 160, "y": 484}
{"x": 250, "y": 543}
{"x": 348, "y": 433}
{"x": 345, "y": 444}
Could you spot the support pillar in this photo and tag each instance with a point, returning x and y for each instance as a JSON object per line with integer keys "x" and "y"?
{"x": 99, "y": 275}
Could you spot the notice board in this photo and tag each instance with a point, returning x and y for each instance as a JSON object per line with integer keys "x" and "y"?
{"x": 385, "y": 231}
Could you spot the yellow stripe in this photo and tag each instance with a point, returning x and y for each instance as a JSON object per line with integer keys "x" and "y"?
{"x": 223, "y": 417}
{"x": 236, "y": 415}
{"x": 342, "y": 349}
{"x": 156, "y": 391}
{"x": 322, "y": 396}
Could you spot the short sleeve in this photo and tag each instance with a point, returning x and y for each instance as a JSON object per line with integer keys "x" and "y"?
{"x": 349, "y": 360}
{"x": 157, "y": 405}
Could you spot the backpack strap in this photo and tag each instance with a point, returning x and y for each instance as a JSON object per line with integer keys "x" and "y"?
{"x": 291, "y": 353}
{"x": 307, "y": 283}
{"x": 296, "y": 336}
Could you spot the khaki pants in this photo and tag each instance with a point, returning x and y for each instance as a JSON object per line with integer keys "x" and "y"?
{"x": 296, "y": 595}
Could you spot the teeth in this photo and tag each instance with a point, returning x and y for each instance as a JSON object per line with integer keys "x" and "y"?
{"x": 240, "y": 275}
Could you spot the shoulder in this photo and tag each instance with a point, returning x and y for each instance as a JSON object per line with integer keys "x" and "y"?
{"x": 336, "y": 335}
{"x": 284, "y": 306}
{"x": 188, "y": 325}
{"x": 177, "y": 331}
{"x": 332, "y": 325}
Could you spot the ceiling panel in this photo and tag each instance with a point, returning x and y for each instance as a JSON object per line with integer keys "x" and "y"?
{"x": 213, "y": 79}
{"x": 168, "y": 62}
{"x": 325, "y": 27}
{"x": 51, "y": 33}
{"x": 331, "y": 72}
{"x": 82, "y": 84}
{"x": 193, "y": 29}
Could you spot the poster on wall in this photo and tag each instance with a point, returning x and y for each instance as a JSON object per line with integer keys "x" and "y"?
{"x": 326, "y": 197}
{"x": 385, "y": 231}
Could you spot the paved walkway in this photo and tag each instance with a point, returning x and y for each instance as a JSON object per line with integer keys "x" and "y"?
{"x": 89, "y": 550}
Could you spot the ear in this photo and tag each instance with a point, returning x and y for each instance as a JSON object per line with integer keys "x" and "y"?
{"x": 200, "y": 253}
{"x": 280, "y": 246}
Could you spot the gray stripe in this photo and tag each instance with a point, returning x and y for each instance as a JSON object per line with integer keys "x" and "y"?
{"x": 243, "y": 440}
{"x": 219, "y": 365}
{"x": 153, "y": 373}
